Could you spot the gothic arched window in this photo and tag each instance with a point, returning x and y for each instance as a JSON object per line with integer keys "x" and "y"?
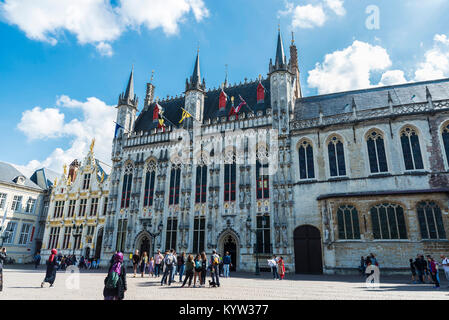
{"x": 430, "y": 220}
{"x": 348, "y": 222}
{"x": 230, "y": 176}
{"x": 336, "y": 153}
{"x": 150, "y": 181}
{"x": 175, "y": 182}
{"x": 411, "y": 149}
{"x": 376, "y": 152}
{"x": 388, "y": 221}
{"x": 262, "y": 181}
{"x": 445, "y": 136}
{"x": 201, "y": 181}
{"x": 305, "y": 154}
{"x": 126, "y": 187}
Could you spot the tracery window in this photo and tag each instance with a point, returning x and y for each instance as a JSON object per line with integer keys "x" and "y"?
{"x": 348, "y": 222}
{"x": 175, "y": 182}
{"x": 430, "y": 220}
{"x": 126, "y": 188}
{"x": 306, "y": 166}
{"x": 376, "y": 152}
{"x": 336, "y": 153}
{"x": 445, "y": 136}
{"x": 388, "y": 221}
{"x": 262, "y": 178}
{"x": 150, "y": 181}
{"x": 411, "y": 149}
{"x": 230, "y": 176}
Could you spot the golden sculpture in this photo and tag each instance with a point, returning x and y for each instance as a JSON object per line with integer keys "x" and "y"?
{"x": 92, "y": 145}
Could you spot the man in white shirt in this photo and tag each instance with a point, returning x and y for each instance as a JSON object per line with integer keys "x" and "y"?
{"x": 445, "y": 264}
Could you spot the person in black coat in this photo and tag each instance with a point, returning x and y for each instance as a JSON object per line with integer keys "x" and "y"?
{"x": 117, "y": 293}
{"x": 52, "y": 266}
{"x": 2, "y": 261}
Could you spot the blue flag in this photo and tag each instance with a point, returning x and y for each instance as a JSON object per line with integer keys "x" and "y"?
{"x": 117, "y": 127}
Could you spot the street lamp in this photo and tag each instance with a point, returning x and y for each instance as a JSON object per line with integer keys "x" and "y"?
{"x": 75, "y": 234}
{"x": 155, "y": 234}
{"x": 256, "y": 248}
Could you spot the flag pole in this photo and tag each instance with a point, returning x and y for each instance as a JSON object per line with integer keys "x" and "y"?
{"x": 191, "y": 115}
{"x": 121, "y": 126}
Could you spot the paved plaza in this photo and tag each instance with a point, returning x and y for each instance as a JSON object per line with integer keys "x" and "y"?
{"x": 23, "y": 283}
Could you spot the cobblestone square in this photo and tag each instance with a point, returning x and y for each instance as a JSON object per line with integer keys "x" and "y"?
{"x": 23, "y": 283}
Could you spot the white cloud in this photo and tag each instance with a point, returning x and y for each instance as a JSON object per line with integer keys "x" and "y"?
{"x": 436, "y": 60}
{"x": 308, "y": 16}
{"x": 96, "y": 22}
{"x": 312, "y": 15}
{"x": 96, "y": 122}
{"x": 105, "y": 49}
{"x": 336, "y": 6}
{"x": 348, "y": 69}
{"x": 392, "y": 77}
{"x": 160, "y": 13}
{"x": 40, "y": 124}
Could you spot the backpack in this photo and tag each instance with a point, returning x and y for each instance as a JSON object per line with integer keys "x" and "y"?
{"x": 169, "y": 260}
{"x": 215, "y": 261}
{"x": 112, "y": 280}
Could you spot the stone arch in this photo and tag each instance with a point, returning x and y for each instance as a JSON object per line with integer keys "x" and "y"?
{"x": 229, "y": 240}
{"x": 143, "y": 241}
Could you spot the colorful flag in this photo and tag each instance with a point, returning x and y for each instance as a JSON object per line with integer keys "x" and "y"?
{"x": 185, "y": 115}
{"x": 117, "y": 127}
{"x": 241, "y": 104}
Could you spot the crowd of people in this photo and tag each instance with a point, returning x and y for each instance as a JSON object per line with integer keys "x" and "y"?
{"x": 427, "y": 269}
{"x": 167, "y": 266}
{"x": 171, "y": 264}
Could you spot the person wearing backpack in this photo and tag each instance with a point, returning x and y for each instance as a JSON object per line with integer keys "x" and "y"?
{"x": 115, "y": 283}
{"x": 198, "y": 269}
{"x": 215, "y": 268}
{"x": 169, "y": 262}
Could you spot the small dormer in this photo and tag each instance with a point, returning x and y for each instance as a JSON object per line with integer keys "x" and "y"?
{"x": 19, "y": 180}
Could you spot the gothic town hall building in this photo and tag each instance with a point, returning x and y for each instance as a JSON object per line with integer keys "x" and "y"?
{"x": 319, "y": 180}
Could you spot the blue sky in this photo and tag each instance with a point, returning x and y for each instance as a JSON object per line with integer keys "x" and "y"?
{"x": 63, "y": 65}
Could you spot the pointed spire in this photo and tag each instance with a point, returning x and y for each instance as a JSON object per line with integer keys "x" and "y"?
{"x": 129, "y": 93}
{"x": 195, "y": 79}
{"x": 196, "y": 76}
{"x": 280, "y": 55}
{"x": 129, "y": 98}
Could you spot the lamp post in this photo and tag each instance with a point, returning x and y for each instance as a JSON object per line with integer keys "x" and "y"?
{"x": 75, "y": 235}
{"x": 256, "y": 248}
{"x": 155, "y": 234}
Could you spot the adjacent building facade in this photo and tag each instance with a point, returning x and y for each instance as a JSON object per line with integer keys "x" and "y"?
{"x": 21, "y": 202}
{"x": 76, "y": 212}
{"x": 257, "y": 169}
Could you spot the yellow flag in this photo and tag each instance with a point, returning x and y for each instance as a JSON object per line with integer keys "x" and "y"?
{"x": 185, "y": 115}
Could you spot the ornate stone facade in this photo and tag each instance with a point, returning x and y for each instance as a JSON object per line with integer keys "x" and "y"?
{"x": 77, "y": 211}
{"x": 318, "y": 180}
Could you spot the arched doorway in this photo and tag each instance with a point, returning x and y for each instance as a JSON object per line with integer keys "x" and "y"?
{"x": 87, "y": 253}
{"x": 99, "y": 243}
{"x": 308, "y": 257}
{"x": 143, "y": 243}
{"x": 228, "y": 242}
